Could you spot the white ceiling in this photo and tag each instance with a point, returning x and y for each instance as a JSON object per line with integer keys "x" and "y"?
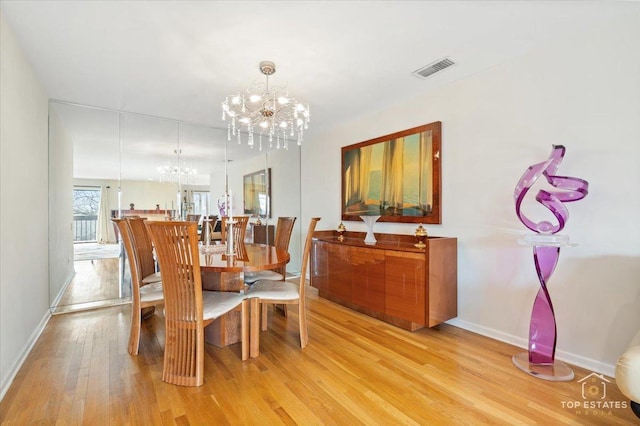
{"x": 179, "y": 59}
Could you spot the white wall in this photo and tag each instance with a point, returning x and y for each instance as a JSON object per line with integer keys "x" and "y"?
{"x": 61, "y": 254}
{"x": 24, "y": 273}
{"x": 582, "y": 92}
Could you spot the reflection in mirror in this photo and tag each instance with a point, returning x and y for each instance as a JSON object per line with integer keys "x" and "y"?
{"x": 78, "y": 209}
{"x": 284, "y": 165}
{"x": 142, "y": 165}
{"x": 256, "y": 188}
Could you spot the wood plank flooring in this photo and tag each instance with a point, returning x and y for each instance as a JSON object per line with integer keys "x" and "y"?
{"x": 355, "y": 371}
{"x": 95, "y": 280}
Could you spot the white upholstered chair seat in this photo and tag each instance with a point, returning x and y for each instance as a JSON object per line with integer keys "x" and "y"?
{"x": 274, "y": 290}
{"x": 252, "y": 277}
{"x": 153, "y": 278}
{"x": 628, "y": 373}
{"x": 151, "y": 293}
{"x": 217, "y": 303}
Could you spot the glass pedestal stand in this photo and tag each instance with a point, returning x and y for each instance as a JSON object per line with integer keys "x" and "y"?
{"x": 540, "y": 361}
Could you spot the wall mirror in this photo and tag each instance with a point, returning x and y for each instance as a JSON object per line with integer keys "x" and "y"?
{"x": 131, "y": 161}
{"x": 395, "y": 176}
{"x": 257, "y": 193}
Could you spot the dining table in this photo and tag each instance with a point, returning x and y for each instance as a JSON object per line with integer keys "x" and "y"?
{"x": 223, "y": 272}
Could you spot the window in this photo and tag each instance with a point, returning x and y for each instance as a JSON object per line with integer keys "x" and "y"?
{"x": 201, "y": 202}
{"x": 86, "y": 203}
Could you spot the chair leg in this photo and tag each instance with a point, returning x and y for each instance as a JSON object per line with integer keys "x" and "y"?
{"x": 255, "y": 327}
{"x": 134, "y": 333}
{"x": 302, "y": 318}
{"x": 280, "y": 307}
{"x": 263, "y": 308}
{"x": 244, "y": 325}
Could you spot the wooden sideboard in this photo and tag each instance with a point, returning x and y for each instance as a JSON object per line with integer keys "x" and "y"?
{"x": 392, "y": 280}
{"x": 263, "y": 234}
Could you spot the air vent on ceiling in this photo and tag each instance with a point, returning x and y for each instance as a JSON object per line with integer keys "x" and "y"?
{"x": 433, "y": 68}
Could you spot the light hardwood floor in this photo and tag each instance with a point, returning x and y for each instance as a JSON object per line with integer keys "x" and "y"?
{"x": 355, "y": 370}
{"x": 94, "y": 280}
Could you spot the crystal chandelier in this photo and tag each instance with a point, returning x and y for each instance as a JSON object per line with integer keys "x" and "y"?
{"x": 269, "y": 111}
{"x": 177, "y": 174}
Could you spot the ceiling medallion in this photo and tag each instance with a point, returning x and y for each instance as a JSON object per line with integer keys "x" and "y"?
{"x": 269, "y": 111}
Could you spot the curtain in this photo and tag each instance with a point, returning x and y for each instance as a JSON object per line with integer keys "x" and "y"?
{"x": 365, "y": 172}
{"x": 352, "y": 177}
{"x": 104, "y": 224}
{"x": 426, "y": 171}
{"x": 357, "y": 175}
{"x": 392, "y": 172}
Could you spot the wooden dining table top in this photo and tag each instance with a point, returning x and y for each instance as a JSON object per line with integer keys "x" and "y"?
{"x": 252, "y": 257}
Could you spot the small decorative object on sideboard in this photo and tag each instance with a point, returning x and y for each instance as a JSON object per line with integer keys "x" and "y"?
{"x": 370, "y": 237}
{"x": 341, "y": 230}
{"x": 421, "y": 236}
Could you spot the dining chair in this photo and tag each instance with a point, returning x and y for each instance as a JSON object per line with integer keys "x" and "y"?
{"x": 281, "y": 292}
{"x": 188, "y": 309}
{"x": 284, "y": 229}
{"x": 142, "y": 296}
{"x": 144, "y": 250}
{"x": 211, "y": 223}
{"x": 193, "y": 218}
{"x": 239, "y": 229}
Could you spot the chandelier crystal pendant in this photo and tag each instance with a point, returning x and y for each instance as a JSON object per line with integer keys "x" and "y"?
{"x": 268, "y": 111}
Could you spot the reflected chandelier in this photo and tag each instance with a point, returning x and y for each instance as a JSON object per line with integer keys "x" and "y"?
{"x": 177, "y": 174}
{"x": 270, "y": 111}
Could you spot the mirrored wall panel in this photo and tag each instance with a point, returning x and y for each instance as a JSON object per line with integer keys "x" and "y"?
{"x": 106, "y": 164}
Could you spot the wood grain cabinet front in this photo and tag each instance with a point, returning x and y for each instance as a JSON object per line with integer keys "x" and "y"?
{"x": 405, "y": 286}
{"x": 392, "y": 280}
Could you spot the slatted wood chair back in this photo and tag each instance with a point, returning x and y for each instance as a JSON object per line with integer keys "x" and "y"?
{"x": 177, "y": 250}
{"x": 142, "y": 245}
{"x": 136, "y": 284}
{"x": 193, "y": 218}
{"x": 239, "y": 229}
{"x": 284, "y": 229}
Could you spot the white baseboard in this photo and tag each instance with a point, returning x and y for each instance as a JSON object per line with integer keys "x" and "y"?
{"x": 568, "y": 357}
{"x": 8, "y": 379}
{"x": 63, "y": 289}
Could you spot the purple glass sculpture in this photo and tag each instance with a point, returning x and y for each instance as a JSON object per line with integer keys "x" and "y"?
{"x": 540, "y": 360}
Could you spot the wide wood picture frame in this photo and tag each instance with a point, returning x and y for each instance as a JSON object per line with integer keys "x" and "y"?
{"x": 257, "y": 193}
{"x": 396, "y": 176}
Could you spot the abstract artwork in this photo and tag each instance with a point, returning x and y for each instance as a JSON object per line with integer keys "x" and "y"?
{"x": 540, "y": 360}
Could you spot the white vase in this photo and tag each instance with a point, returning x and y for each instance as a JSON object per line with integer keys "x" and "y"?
{"x": 370, "y": 220}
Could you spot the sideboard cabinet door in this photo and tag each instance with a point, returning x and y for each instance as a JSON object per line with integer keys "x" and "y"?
{"x": 405, "y": 286}
{"x": 367, "y": 289}
{"x": 339, "y": 277}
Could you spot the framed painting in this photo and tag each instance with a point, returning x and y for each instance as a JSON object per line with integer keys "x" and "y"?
{"x": 396, "y": 177}
{"x": 257, "y": 193}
